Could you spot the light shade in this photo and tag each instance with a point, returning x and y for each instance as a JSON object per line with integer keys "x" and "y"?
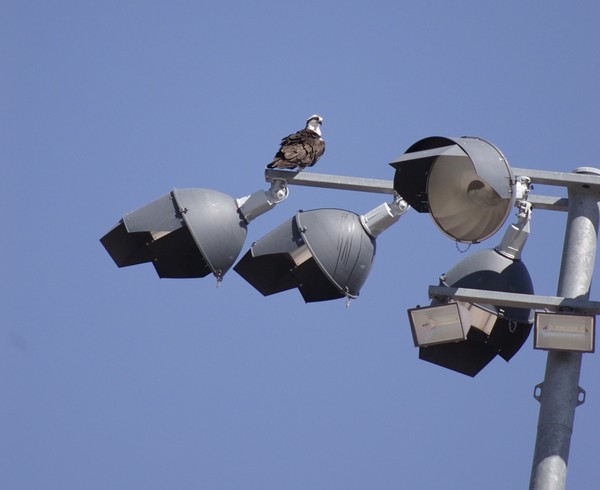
{"x": 439, "y": 324}
{"x": 186, "y": 233}
{"x": 465, "y": 184}
{"x": 325, "y": 253}
{"x": 557, "y": 331}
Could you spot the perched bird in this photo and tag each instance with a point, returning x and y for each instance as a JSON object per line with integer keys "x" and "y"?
{"x": 301, "y": 149}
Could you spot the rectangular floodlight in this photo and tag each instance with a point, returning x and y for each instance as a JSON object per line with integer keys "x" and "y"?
{"x": 437, "y": 324}
{"x": 557, "y": 331}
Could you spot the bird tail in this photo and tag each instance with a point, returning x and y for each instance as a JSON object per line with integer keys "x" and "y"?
{"x": 278, "y": 163}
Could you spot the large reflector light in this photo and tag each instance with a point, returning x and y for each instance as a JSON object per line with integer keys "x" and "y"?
{"x": 186, "y": 233}
{"x": 325, "y": 253}
{"x": 488, "y": 330}
{"x": 465, "y": 184}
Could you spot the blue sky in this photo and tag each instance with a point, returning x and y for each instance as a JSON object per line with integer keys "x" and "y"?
{"x": 113, "y": 378}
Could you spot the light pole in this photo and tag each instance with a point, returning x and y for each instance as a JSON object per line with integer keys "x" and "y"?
{"x": 560, "y": 394}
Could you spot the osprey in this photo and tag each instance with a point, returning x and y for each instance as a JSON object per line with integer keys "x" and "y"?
{"x": 301, "y": 149}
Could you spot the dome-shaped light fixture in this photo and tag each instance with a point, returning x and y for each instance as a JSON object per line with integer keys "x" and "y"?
{"x": 464, "y": 336}
{"x": 482, "y": 331}
{"x": 325, "y": 253}
{"x": 189, "y": 232}
{"x": 465, "y": 184}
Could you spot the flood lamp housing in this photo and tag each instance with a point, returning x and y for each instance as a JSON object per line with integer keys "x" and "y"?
{"x": 325, "y": 253}
{"x": 184, "y": 234}
{"x": 465, "y": 184}
{"x": 437, "y": 324}
{"x": 489, "y": 330}
{"x": 564, "y": 332}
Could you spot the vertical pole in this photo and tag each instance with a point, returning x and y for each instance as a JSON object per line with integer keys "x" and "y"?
{"x": 560, "y": 392}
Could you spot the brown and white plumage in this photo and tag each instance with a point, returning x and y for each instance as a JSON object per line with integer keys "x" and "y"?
{"x": 301, "y": 149}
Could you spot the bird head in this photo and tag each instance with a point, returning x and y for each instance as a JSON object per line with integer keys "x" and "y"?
{"x": 314, "y": 123}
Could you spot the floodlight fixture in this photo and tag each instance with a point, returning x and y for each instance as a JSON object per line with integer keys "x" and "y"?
{"x": 325, "y": 253}
{"x": 464, "y": 183}
{"x": 454, "y": 335}
{"x": 437, "y": 324}
{"x": 189, "y": 233}
{"x": 488, "y": 330}
{"x": 564, "y": 332}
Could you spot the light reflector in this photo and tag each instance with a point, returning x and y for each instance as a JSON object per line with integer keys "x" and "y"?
{"x": 463, "y": 205}
{"x": 464, "y": 183}
{"x": 557, "y": 331}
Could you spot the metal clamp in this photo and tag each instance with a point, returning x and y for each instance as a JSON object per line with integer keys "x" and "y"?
{"x": 537, "y": 394}
{"x": 580, "y": 396}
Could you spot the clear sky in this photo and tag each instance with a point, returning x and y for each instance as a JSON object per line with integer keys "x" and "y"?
{"x": 115, "y": 379}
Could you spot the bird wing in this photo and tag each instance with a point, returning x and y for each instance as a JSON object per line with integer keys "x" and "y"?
{"x": 303, "y": 148}
{"x": 318, "y": 149}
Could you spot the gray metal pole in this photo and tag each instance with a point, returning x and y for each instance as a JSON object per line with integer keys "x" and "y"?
{"x": 560, "y": 394}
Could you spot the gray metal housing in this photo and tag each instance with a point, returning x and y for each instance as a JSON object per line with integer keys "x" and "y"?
{"x": 415, "y": 170}
{"x": 492, "y": 271}
{"x": 325, "y": 253}
{"x": 186, "y": 233}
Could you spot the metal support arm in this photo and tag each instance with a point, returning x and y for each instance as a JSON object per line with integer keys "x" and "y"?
{"x": 378, "y": 186}
{"x": 260, "y": 202}
{"x": 515, "y": 300}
